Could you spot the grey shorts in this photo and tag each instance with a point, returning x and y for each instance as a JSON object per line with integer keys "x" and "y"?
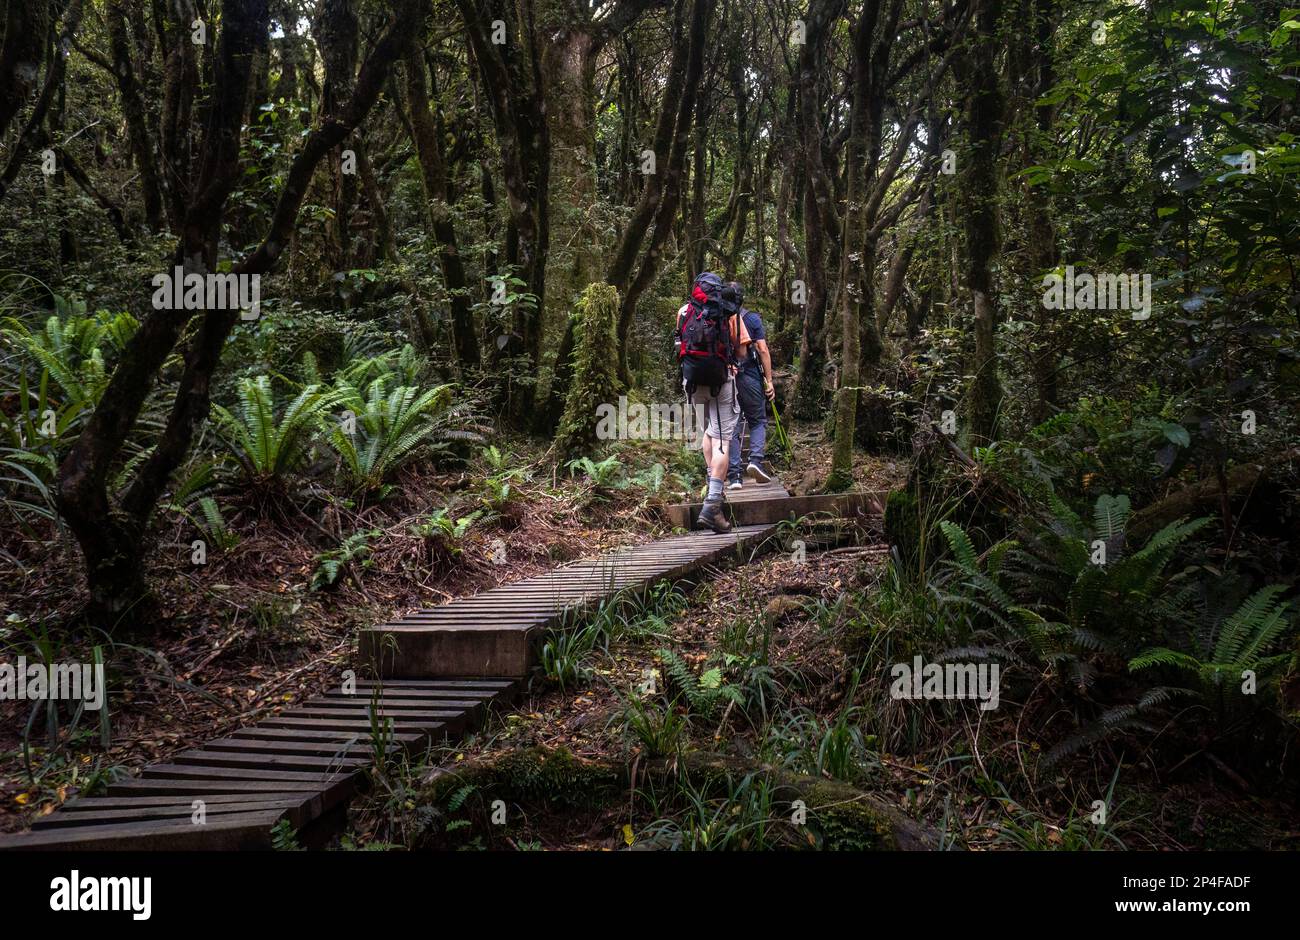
{"x": 720, "y": 413}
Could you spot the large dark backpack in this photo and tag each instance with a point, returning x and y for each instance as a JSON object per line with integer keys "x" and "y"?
{"x": 704, "y": 342}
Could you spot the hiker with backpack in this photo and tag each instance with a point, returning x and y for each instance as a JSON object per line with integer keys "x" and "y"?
{"x": 754, "y": 389}
{"x": 710, "y": 340}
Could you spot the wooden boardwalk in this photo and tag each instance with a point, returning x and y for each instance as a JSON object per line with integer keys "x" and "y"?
{"x": 297, "y": 765}
{"x": 308, "y": 759}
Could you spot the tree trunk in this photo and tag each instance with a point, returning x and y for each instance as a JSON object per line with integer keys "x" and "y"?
{"x": 433, "y": 173}
{"x": 52, "y": 86}
{"x": 133, "y": 111}
{"x": 745, "y": 176}
{"x": 819, "y": 209}
{"x": 857, "y": 259}
{"x": 1043, "y": 254}
{"x": 26, "y": 31}
{"x": 511, "y": 76}
{"x": 981, "y": 222}
{"x": 667, "y": 209}
{"x": 569, "y": 73}
{"x": 625, "y": 253}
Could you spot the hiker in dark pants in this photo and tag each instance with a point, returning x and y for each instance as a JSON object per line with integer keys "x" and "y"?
{"x": 754, "y": 389}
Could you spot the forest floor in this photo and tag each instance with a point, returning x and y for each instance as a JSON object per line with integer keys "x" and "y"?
{"x": 245, "y": 635}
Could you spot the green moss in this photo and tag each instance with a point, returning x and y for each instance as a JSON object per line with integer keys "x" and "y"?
{"x": 902, "y": 526}
{"x": 846, "y": 822}
{"x": 535, "y": 775}
{"x": 556, "y": 776}
{"x": 595, "y": 368}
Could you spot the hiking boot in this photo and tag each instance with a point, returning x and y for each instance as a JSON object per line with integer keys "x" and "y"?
{"x": 733, "y": 483}
{"x": 757, "y": 471}
{"x": 712, "y": 517}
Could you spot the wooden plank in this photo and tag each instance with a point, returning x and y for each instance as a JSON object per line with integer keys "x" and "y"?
{"x": 265, "y": 760}
{"x": 207, "y": 772}
{"x": 292, "y": 809}
{"x": 197, "y": 788}
{"x": 346, "y": 713}
{"x": 95, "y": 803}
{"x": 260, "y": 732}
{"x": 426, "y": 652}
{"x": 238, "y": 831}
{"x": 451, "y": 682}
{"x": 314, "y": 748}
{"x": 359, "y": 727}
{"x": 389, "y": 703}
{"x": 324, "y": 790}
{"x": 427, "y": 695}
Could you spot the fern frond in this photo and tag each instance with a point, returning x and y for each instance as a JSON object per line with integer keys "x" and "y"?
{"x": 1109, "y": 516}
{"x": 960, "y": 544}
{"x": 1252, "y": 628}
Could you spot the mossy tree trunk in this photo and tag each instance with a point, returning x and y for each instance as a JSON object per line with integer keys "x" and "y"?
{"x": 982, "y": 228}
{"x": 844, "y": 817}
{"x": 512, "y": 83}
{"x": 821, "y": 221}
{"x": 595, "y": 379}
{"x": 437, "y": 194}
{"x": 568, "y": 64}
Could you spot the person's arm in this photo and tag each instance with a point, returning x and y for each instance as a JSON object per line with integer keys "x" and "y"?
{"x": 741, "y": 335}
{"x": 765, "y": 357}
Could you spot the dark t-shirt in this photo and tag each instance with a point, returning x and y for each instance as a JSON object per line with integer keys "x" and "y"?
{"x": 754, "y": 326}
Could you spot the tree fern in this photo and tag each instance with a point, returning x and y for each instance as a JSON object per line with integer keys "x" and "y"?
{"x": 1130, "y": 716}
{"x": 268, "y": 448}
{"x": 284, "y": 838}
{"x": 394, "y": 427}
{"x": 459, "y": 796}
{"x": 71, "y": 350}
{"x": 331, "y": 565}
{"x": 214, "y": 525}
{"x": 960, "y": 544}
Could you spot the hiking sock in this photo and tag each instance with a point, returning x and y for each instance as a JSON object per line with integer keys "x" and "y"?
{"x": 715, "y": 489}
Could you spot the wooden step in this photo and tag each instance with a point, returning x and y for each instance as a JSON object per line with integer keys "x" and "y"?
{"x": 292, "y": 809}
{"x": 765, "y": 509}
{"x": 246, "y": 830}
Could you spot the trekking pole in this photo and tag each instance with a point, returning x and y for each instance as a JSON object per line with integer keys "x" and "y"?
{"x": 781, "y": 438}
{"x": 780, "y": 431}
